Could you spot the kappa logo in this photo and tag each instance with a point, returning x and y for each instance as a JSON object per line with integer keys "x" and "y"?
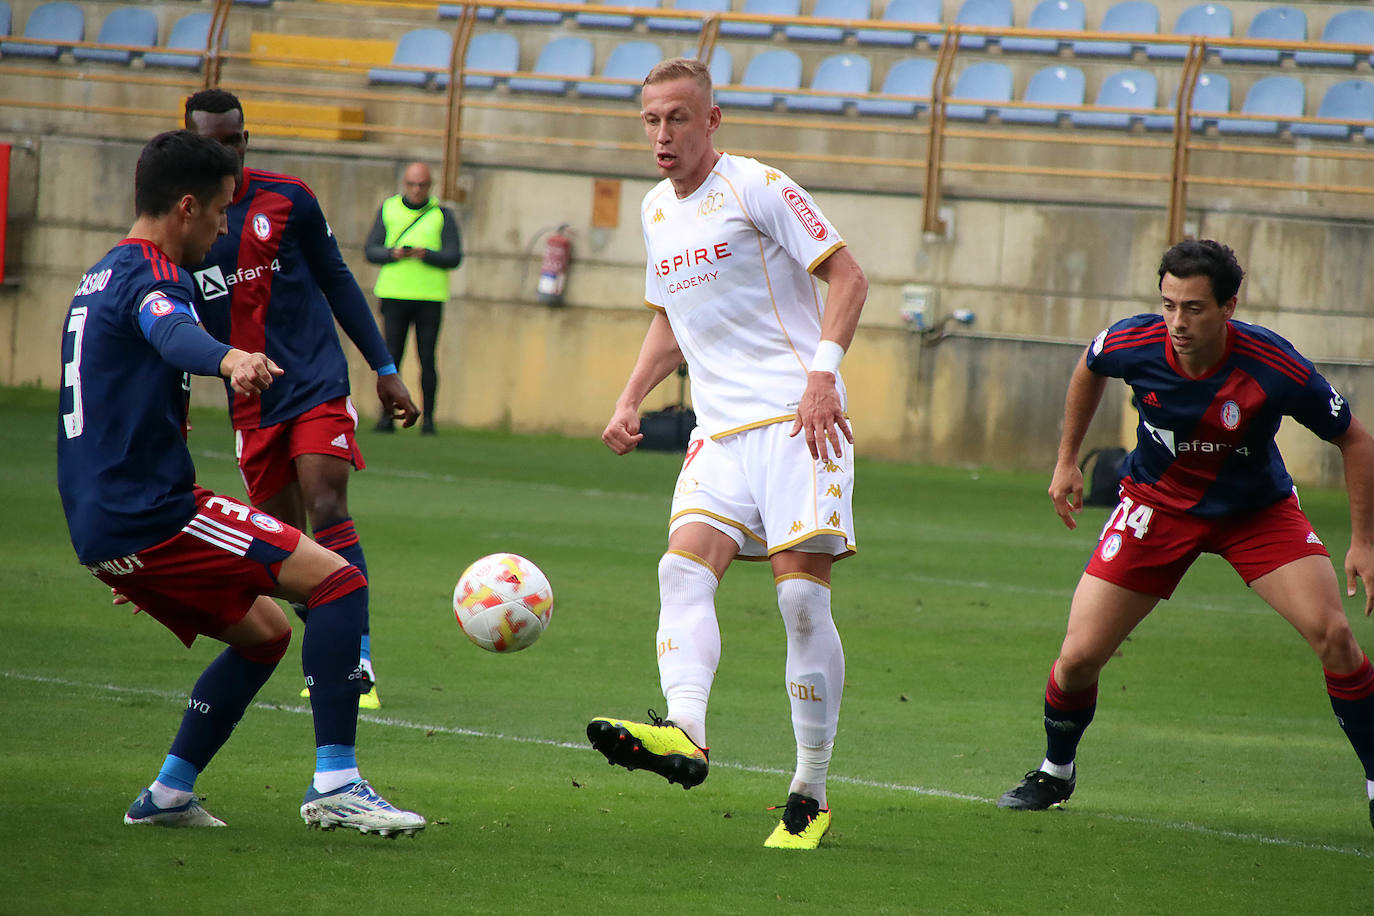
{"x": 1151, "y": 400}
{"x": 812, "y": 223}
{"x": 211, "y": 283}
{"x": 770, "y": 176}
{"x": 265, "y": 522}
{"x": 262, "y": 226}
{"x": 796, "y": 526}
{"x": 834, "y": 490}
{"x": 830, "y": 466}
{"x": 339, "y": 441}
{"x": 658, "y": 216}
{"x": 834, "y": 520}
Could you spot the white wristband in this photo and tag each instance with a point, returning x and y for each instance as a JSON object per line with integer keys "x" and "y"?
{"x": 828, "y": 356}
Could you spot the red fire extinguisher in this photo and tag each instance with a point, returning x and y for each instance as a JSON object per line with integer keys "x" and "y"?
{"x": 553, "y": 272}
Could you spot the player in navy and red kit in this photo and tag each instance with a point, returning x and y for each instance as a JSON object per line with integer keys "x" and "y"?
{"x": 277, "y": 283}
{"x": 1205, "y": 475}
{"x": 200, "y": 564}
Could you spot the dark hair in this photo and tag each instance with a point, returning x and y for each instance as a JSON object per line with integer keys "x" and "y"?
{"x": 213, "y": 101}
{"x": 1204, "y": 258}
{"x": 177, "y": 163}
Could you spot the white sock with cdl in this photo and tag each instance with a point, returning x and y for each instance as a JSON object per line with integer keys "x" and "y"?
{"x": 688, "y": 639}
{"x": 815, "y": 677}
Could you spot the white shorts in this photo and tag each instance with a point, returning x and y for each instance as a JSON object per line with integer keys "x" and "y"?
{"x": 764, "y": 489}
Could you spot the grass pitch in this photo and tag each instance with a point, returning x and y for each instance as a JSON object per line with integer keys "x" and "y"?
{"x": 1214, "y": 780}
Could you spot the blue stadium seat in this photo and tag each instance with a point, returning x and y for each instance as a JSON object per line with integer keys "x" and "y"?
{"x": 910, "y": 77}
{"x": 985, "y": 81}
{"x": 630, "y": 60}
{"x": 1055, "y": 15}
{"x": 417, "y": 48}
{"x": 1277, "y": 23}
{"x": 1140, "y": 17}
{"x": 1126, "y": 89}
{"x": 190, "y": 33}
{"x": 734, "y": 29}
{"x": 1350, "y": 100}
{"x": 568, "y": 57}
{"x": 536, "y": 17}
{"x": 979, "y": 12}
{"x": 1061, "y": 86}
{"x": 1211, "y": 98}
{"x": 1210, "y": 19}
{"x": 1348, "y": 27}
{"x": 722, "y": 65}
{"x": 924, "y": 12}
{"x": 455, "y": 10}
{"x": 828, "y": 9}
{"x": 663, "y": 24}
{"x": 780, "y": 69}
{"x": 1283, "y": 96}
{"x": 612, "y": 20}
{"x": 837, "y": 73}
{"x": 6, "y": 18}
{"x": 127, "y": 25}
{"x": 495, "y": 51}
{"x": 59, "y": 21}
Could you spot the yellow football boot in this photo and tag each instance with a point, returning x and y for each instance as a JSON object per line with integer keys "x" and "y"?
{"x": 659, "y": 747}
{"x": 803, "y": 824}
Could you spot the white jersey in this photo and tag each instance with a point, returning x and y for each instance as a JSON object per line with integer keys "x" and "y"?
{"x": 730, "y": 265}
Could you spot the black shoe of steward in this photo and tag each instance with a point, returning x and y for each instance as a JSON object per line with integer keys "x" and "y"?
{"x": 1038, "y": 791}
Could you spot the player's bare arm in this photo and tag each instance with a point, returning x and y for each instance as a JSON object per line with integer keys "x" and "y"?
{"x": 658, "y": 356}
{"x": 820, "y": 414}
{"x": 396, "y": 400}
{"x": 1357, "y": 454}
{"x": 1080, "y": 405}
{"x": 248, "y": 373}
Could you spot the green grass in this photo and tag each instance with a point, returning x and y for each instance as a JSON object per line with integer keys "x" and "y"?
{"x": 1214, "y": 780}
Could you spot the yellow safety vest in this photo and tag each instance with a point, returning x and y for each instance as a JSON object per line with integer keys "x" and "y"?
{"x": 409, "y": 278}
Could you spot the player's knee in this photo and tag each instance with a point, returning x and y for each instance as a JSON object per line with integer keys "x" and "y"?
{"x": 1076, "y": 670}
{"x": 1335, "y": 643}
{"x": 341, "y": 582}
{"x": 326, "y": 508}
{"x": 268, "y": 652}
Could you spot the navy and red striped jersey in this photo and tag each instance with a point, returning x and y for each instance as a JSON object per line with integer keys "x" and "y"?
{"x": 1206, "y": 445}
{"x": 123, "y": 469}
{"x": 275, "y": 285}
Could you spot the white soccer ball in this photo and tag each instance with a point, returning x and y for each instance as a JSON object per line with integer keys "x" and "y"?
{"x": 503, "y": 602}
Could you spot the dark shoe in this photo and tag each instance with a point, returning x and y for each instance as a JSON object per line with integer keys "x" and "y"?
{"x": 301, "y": 610}
{"x": 1038, "y": 791}
{"x": 427, "y": 429}
{"x": 658, "y": 746}
{"x": 385, "y": 425}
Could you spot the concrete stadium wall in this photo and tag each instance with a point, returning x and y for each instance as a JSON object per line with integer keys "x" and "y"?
{"x": 1042, "y": 279}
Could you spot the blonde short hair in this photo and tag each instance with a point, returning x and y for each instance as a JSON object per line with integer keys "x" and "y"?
{"x": 677, "y": 68}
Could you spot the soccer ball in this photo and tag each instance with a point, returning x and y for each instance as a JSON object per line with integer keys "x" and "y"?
{"x": 503, "y": 602}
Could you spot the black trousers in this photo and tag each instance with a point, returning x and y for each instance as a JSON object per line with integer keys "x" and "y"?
{"x": 397, "y": 317}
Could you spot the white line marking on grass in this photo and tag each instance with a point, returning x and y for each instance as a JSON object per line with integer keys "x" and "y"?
{"x": 408, "y": 725}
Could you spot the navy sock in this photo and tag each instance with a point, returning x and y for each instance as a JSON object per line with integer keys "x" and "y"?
{"x": 1066, "y": 716}
{"x": 329, "y": 654}
{"x": 342, "y": 538}
{"x": 1352, "y": 699}
{"x": 217, "y": 703}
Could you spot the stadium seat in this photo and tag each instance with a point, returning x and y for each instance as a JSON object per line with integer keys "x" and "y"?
{"x": 6, "y": 18}
{"x": 1140, "y": 17}
{"x": 535, "y": 17}
{"x": 1060, "y": 86}
{"x": 630, "y": 60}
{"x": 1210, "y": 19}
{"x": 736, "y": 29}
{"x": 431, "y": 48}
{"x": 1277, "y": 23}
{"x": 979, "y": 12}
{"x": 985, "y": 81}
{"x": 1283, "y": 96}
{"x": 780, "y": 69}
{"x": 495, "y": 51}
{"x": 190, "y": 33}
{"x": 837, "y": 73}
{"x": 722, "y": 65}
{"x": 1126, "y": 89}
{"x": 1350, "y": 100}
{"x": 911, "y": 78}
{"x": 567, "y": 57}
{"x": 924, "y": 12}
{"x": 612, "y": 20}
{"x": 1055, "y": 15}
{"x": 455, "y": 10}
{"x": 828, "y": 9}
{"x": 662, "y": 24}
{"x": 1211, "y": 98}
{"x": 127, "y": 25}
{"x": 1348, "y": 27}
{"x": 52, "y": 21}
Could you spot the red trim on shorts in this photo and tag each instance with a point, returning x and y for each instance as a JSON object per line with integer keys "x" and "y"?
{"x": 1356, "y": 685}
{"x": 1069, "y": 701}
{"x": 340, "y": 582}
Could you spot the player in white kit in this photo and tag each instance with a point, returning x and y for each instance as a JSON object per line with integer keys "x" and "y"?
{"x": 734, "y": 248}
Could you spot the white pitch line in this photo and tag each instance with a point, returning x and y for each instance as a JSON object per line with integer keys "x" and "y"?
{"x": 408, "y": 725}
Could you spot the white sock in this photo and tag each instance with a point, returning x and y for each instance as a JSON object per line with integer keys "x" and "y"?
{"x": 329, "y": 780}
{"x": 815, "y": 678}
{"x": 1058, "y": 770}
{"x": 167, "y": 797}
{"x": 688, "y": 639}
{"x": 1369, "y": 788}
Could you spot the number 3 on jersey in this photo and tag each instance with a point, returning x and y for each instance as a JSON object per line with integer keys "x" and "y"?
{"x": 73, "y": 423}
{"x": 1128, "y": 515}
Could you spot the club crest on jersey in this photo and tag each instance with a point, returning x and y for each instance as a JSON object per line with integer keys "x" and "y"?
{"x": 1098, "y": 342}
{"x": 814, "y": 227}
{"x": 262, "y": 226}
{"x": 158, "y": 305}
{"x": 1230, "y": 414}
{"x": 265, "y": 522}
{"x": 1111, "y": 546}
{"x": 711, "y": 203}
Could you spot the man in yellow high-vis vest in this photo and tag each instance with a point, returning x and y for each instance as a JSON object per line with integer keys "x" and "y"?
{"x": 417, "y": 243}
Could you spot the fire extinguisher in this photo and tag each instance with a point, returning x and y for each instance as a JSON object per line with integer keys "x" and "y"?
{"x": 553, "y": 272}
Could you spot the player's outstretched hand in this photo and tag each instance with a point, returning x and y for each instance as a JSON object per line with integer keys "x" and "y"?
{"x": 123, "y": 599}
{"x": 395, "y": 398}
{"x": 1359, "y": 567}
{"x": 1066, "y": 490}
{"x": 249, "y": 374}
{"x": 820, "y": 415}
{"x": 622, "y": 434}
